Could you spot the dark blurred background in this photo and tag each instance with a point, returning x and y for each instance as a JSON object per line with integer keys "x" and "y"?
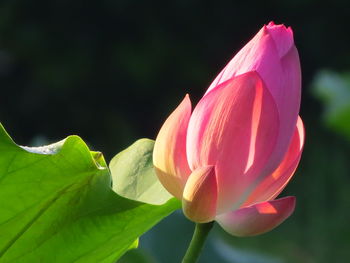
{"x": 111, "y": 71}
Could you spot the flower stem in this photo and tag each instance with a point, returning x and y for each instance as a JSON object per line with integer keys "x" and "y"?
{"x": 198, "y": 239}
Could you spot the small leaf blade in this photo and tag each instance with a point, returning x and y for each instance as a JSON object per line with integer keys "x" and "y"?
{"x": 134, "y": 176}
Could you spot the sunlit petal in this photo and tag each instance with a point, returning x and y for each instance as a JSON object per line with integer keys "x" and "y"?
{"x": 234, "y": 128}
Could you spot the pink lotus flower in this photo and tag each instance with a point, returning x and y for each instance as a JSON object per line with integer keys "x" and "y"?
{"x": 231, "y": 157}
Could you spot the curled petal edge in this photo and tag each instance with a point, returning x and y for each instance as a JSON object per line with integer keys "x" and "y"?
{"x": 257, "y": 219}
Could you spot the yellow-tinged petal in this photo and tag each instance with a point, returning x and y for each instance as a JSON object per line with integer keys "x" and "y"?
{"x": 200, "y": 195}
{"x": 169, "y": 154}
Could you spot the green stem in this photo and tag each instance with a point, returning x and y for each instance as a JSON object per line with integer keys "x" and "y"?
{"x": 198, "y": 239}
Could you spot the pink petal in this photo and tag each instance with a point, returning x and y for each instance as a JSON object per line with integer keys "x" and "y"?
{"x": 234, "y": 128}
{"x": 272, "y": 185}
{"x": 257, "y": 219}
{"x": 259, "y": 54}
{"x": 273, "y": 55}
{"x": 200, "y": 195}
{"x": 169, "y": 154}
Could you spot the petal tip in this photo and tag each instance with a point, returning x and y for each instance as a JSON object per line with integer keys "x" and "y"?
{"x": 169, "y": 154}
{"x": 283, "y": 37}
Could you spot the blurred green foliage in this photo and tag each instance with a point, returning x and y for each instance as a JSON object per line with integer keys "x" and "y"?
{"x": 333, "y": 90}
{"x": 112, "y": 71}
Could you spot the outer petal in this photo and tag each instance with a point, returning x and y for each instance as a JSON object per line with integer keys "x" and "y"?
{"x": 257, "y": 219}
{"x": 272, "y": 185}
{"x": 234, "y": 128}
{"x": 169, "y": 154}
{"x": 200, "y": 195}
{"x": 287, "y": 98}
